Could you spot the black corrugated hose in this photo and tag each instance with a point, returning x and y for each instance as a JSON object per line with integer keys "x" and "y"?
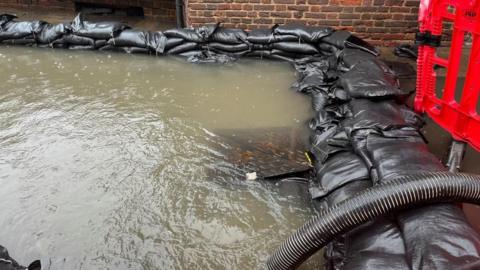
{"x": 400, "y": 193}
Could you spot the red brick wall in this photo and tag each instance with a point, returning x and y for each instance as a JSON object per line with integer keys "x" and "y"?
{"x": 162, "y": 10}
{"x": 385, "y": 22}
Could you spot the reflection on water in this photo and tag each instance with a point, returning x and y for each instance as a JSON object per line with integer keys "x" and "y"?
{"x": 113, "y": 162}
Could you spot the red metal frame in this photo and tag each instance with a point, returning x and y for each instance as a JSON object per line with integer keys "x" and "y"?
{"x": 461, "y": 118}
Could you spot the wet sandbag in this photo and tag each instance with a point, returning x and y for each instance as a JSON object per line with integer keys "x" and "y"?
{"x": 72, "y": 39}
{"x": 96, "y": 30}
{"x": 337, "y": 171}
{"x": 173, "y": 42}
{"x": 350, "y": 57}
{"x": 368, "y": 79}
{"x": 439, "y": 237}
{"x": 295, "y": 47}
{"x": 17, "y": 30}
{"x": 4, "y": 18}
{"x": 380, "y": 115}
{"x": 228, "y": 47}
{"x": 25, "y": 41}
{"x": 305, "y": 33}
{"x": 229, "y": 36}
{"x": 185, "y": 47}
{"x": 201, "y": 57}
{"x": 358, "y": 43}
{"x": 266, "y": 36}
{"x": 337, "y": 38}
{"x": 100, "y": 43}
{"x": 197, "y": 35}
{"x": 157, "y": 42}
{"x": 129, "y": 38}
{"x": 311, "y": 83}
{"x": 52, "y": 32}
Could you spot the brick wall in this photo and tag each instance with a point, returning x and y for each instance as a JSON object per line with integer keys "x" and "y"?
{"x": 161, "y": 10}
{"x": 383, "y": 22}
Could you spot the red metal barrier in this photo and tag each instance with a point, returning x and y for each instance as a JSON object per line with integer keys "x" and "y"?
{"x": 460, "y": 118}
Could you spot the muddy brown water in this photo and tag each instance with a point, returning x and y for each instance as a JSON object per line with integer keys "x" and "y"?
{"x": 111, "y": 161}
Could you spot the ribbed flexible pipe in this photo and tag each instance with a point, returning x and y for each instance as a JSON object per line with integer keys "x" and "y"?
{"x": 401, "y": 193}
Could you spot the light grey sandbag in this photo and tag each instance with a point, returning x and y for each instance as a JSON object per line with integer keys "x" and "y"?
{"x": 52, "y": 32}
{"x": 305, "y": 33}
{"x": 100, "y": 43}
{"x": 266, "y": 36}
{"x": 129, "y": 38}
{"x": 229, "y": 36}
{"x": 96, "y": 30}
{"x": 295, "y": 47}
{"x": 17, "y": 30}
{"x": 228, "y": 47}
{"x": 4, "y": 18}
{"x": 198, "y": 35}
{"x": 157, "y": 42}
{"x": 188, "y": 46}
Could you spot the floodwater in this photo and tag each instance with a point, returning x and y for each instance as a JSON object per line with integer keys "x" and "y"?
{"x": 112, "y": 161}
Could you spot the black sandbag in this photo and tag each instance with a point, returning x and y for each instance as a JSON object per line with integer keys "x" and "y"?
{"x": 260, "y": 47}
{"x": 393, "y": 157}
{"x": 197, "y": 35}
{"x": 4, "y": 18}
{"x": 295, "y": 47}
{"x": 291, "y": 55}
{"x": 96, "y": 30}
{"x": 337, "y": 38}
{"x": 26, "y": 41}
{"x": 350, "y": 57}
{"x": 305, "y": 33}
{"x": 311, "y": 83}
{"x": 358, "y": 43}
{"x": 157, "y": 42}
{"x": 380, "y": 115}
{"x": 17, "y": 30}
{"x": 375, "y": 245}
{"x": 76, "y": 40}
{"x": 173, "y": 42}
{"x": 266, "y": 36}
{"x": 339, "y": 170}
{"x": 229, "y": 36}
{"x": 439, "y": 237}
{"x": 185, "y": 47}
{"x": 130, "y": 38}
{"x": 52, "y": 32}
{"x": 327, "y": 49}
{"x": 228, "y": 47}
{"x": 369, "y": 80}
{"x": 402, "y": 70}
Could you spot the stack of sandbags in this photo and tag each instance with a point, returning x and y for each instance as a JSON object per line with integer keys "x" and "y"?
{"x": 87, "y": 35}
{"x": 19, "y": 32}
{"x": 228, "y": 41}
{"x": 287, "y": 42}
{"x": 188, "y": 41}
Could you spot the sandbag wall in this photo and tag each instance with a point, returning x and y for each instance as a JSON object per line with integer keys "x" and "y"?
{"x": 362, "y": 133}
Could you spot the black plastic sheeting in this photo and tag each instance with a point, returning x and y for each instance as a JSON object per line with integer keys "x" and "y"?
{"x": 362, "y": 133}
{"x": 8, "y": 263}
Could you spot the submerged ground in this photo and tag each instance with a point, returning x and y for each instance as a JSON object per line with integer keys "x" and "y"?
{"x": 113, "y": 161}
